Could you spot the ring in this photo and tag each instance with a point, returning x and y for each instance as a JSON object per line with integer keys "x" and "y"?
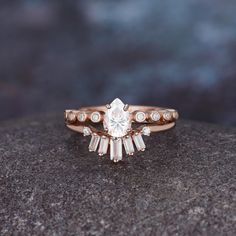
{"x": 123, "y": 125}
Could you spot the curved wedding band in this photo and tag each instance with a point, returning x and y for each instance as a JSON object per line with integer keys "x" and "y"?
{"x": 117, "y": 119}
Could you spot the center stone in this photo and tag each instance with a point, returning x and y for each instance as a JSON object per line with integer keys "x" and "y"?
{"x": 116, "y": 120}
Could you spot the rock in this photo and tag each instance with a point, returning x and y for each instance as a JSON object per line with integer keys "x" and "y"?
{"x": 183, "y": 184}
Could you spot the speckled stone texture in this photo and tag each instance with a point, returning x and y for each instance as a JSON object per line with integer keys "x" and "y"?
{"x": 184, "y": 184}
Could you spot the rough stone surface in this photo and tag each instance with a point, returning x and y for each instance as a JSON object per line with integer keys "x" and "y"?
{"x": 184, "y": 184}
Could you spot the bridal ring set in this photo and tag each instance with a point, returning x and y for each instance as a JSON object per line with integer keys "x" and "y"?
{"x": 119, "y": 125}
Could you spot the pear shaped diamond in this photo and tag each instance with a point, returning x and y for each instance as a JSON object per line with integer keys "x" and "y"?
{"x": 117, "y": 120}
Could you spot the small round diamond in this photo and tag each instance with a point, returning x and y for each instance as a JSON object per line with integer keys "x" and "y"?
{"x": 167, "y": 115}
{"x": 146, "y": 131}
{"x": 155, "y": 116}
{"x": 71, "y": 117}
{"x": 81, "y": 116}
{"x": 140, "y": 116}
{"x": 87, "y": 131}
{"x": 95, "y": 117}
{"x": 175, "y": 115}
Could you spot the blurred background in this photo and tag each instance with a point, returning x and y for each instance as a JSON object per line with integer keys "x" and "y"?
{"x": 64, "y": 54}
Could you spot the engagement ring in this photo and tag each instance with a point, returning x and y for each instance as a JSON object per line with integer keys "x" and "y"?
{"x": 117, "y": 124}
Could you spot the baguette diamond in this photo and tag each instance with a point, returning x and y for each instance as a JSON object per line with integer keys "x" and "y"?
{"x": 116, "y": 149}
{"x": 139, "y": 143}
{"x": 128, "y": 144}
{"x": 94, "y": 143}
{"x": 103, "y": 146}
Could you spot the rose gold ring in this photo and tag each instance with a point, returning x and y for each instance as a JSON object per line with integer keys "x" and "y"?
{"x": 122, "y": 125}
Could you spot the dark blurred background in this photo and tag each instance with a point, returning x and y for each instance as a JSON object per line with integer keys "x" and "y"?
{"x": 64, "y": 54}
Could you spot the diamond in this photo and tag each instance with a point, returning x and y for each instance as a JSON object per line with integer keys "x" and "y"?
{"x": 146, "y": 131}
{"x": 81, "y": 116}
{"x": 128, "y": 144}
{"x": 94, "y": 143}
{"x": 87, "y": 131}
{"x": 116, "y": 149}
{"x": 167, "y": 115}
{"x": 103, "y": 146}
{"x": 117, "y": 121}
{"x": 95, "y": 117}
{"x": 155, "y": 116}
{"x": 175, "y": 115}
{"x": 71, "y": 116}
{"x": 139, "y": 143}
{"x": 140, "y": 116}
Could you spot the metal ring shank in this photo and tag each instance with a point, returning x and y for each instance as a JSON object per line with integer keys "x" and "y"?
{"x": 131, "y": 108}
{"x": 153, "y": 128}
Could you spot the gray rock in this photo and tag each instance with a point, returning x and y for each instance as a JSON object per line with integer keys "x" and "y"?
{"x": 184, "y": 184}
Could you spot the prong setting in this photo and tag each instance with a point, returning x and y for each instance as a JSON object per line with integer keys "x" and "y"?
{"x": 116, "y": 120}
{"x": 108, "y": 106}
{"x": 126, "y": 107}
